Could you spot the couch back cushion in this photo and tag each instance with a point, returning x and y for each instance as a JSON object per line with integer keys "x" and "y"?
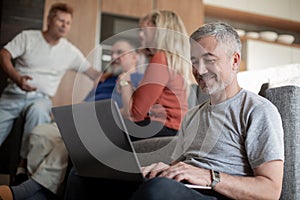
{"x": 287, "y": 101}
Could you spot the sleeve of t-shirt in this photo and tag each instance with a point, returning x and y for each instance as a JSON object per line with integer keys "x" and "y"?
{"x": 17, "y": 45}
{"x": 80, "y": 63}
{"x": 151, "y": 87}
{"x": 264, "y": 140}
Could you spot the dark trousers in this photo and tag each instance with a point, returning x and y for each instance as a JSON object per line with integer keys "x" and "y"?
{"x": 148, "y": 129}
{"x": 156, "y": 188}
{"x": 96, "y": 188}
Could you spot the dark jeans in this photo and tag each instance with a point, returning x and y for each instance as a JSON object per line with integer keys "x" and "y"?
{"x": 156, "y": 188}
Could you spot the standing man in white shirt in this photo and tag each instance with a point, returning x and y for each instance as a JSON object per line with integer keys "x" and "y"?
{"x": 41, "y": 59}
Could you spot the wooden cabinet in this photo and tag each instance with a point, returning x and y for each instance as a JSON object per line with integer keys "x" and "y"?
{"x": 259, "y": 54}
{"x": 250, "y": 18}
{"x": 134, "y": 8}
{"x": 285, "y": 9}
{"x": 190, "y": 11}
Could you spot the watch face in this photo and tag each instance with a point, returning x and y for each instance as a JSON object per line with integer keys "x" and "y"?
{"x": 123, "y": 83}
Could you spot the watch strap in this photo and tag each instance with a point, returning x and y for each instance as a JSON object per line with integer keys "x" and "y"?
{"x": 216, "y": 178}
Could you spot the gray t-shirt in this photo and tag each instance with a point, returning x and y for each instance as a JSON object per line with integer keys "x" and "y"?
{"x": 233, "y": 137}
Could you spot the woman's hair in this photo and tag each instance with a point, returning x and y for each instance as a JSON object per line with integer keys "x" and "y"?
{"x": 223, "y": 32}
{"x": 60, "y": 7}
{"x": 172, "y": 38}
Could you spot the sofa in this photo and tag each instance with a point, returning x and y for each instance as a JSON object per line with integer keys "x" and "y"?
{"x": 287, "y": 101}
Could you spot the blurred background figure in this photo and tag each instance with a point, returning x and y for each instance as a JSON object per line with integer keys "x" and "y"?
{"x": 41, "y": 59}
{"x": 159, "y": 103}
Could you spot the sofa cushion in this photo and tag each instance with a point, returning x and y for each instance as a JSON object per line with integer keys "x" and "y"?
{"x": 287, "y": 100}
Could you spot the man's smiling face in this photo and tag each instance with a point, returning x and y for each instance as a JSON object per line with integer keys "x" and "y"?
{"x": 211, "y": 65}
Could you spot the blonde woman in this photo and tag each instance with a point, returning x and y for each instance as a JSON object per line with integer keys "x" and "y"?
{"x": 160, "y": 101}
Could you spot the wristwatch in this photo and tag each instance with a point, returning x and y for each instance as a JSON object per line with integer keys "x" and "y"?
{"x": 216, "y": 178}
{"x": 123, "y": 83}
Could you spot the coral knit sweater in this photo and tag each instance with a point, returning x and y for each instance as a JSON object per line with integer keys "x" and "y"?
{"x": 161, "y": 95}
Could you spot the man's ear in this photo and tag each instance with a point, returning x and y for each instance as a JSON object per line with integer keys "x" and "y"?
{"x": 236, "y": 61}
{"x": 48, "y": 21}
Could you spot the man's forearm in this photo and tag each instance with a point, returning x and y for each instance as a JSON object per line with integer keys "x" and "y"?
{"x": 7, "y": 66}
{"x": 244, "y": 188}
{"x": 92, "y": 73}
{"x": 266, "y": 184}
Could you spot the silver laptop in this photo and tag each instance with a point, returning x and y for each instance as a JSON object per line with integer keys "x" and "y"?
{"x": 97, "y": 140}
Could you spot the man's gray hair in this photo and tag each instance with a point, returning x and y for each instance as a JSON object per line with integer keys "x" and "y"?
{"x": 223, "y": 33}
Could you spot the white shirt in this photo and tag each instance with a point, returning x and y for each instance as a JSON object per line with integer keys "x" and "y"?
{"x": 45, "y": 63}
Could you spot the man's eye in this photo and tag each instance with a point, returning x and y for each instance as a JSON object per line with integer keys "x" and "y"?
{"x": 209, "y": 61}
{"x": 195, "y": 62}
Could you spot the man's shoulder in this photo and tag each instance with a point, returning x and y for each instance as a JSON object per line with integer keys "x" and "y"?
{"x": 254, "y": 98}
{"x": 28, "y": 35}
{"x": 31, "y": 32}
{"x": 254, "y": 102}
{"x": 23, "y": 40}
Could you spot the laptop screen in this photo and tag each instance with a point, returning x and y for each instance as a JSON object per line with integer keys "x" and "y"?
{"x": 97, "y": 140}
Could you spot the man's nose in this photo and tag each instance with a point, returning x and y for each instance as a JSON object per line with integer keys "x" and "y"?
{"x": 201, "y": 68}
{"x": 64, "y": 24}
{"x": 114, "y": 55}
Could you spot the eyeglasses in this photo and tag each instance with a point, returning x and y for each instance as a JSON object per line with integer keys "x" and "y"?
{"x": 118, "y": 52}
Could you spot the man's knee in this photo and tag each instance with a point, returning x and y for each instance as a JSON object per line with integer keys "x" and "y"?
{"x": 48, "y": 130}
{"x": 44, "y": 138}
{"x": 38, "y": 109}
{"x": 158, "y": 182}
